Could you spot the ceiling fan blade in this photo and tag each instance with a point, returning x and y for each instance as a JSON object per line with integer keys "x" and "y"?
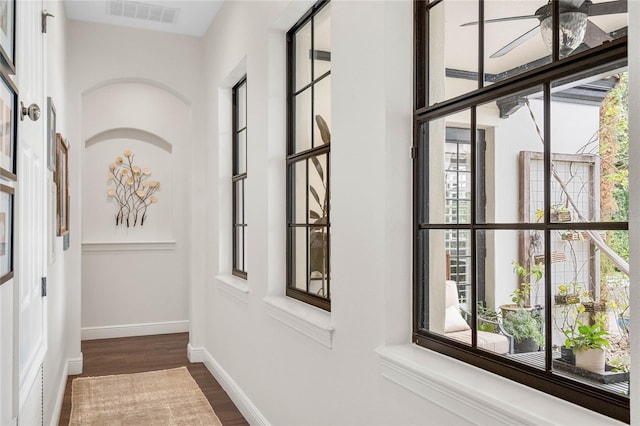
{"x": 572, "y": 3}
{"x": 517, "y": 42}
{"x": 608, "y": 8}
{"x": 508, "y": 18}
{"x": 594, "y": 35}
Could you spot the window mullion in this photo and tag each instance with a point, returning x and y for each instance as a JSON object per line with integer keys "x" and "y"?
{"x": 548, "y": 331}
{"x": 308, "y": 228}
{"x": 473, "y": 219}
{"x": 480, "y": 44}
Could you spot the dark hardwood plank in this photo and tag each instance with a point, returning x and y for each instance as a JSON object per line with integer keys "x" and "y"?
{"x": 147, "y": 353}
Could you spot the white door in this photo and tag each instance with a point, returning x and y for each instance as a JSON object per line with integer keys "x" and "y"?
{"x": 31, "y": 227}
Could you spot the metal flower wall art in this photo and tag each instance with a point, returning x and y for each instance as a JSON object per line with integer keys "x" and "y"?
{"x": 132, "y": 189}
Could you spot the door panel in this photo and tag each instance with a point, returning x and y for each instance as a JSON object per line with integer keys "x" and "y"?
{"x": 31, "y": 212}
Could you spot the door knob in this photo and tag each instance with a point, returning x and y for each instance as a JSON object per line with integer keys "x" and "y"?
{"x": 33, "y": 111}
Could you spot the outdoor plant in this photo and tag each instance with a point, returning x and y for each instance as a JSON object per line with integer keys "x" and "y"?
{"x": 489, "y": 316}
{"x": 523, "y": 324}
{"x": 587, "y": 337}
{"x": 568, "y": 294}
{"x": 521, "y": 294}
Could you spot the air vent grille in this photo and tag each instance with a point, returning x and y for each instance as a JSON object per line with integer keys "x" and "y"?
{"x": 144, "y": 11}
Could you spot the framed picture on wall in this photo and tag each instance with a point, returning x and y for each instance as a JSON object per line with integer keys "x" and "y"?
{"x": 8, "y": 34}
{"x": 8, "y": 120}
{"x": 51, "y": 134}
{"x": 6, "y": 233}
{"x": 62, "y": 183}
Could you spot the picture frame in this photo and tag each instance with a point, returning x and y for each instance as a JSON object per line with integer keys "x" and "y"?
{"x": 51, "y": 135}
{"x": 6, "y": 233}
{"x": 8, "y": 126}
{"x": 8, "y": 35}
{"x": 62, "y": 183}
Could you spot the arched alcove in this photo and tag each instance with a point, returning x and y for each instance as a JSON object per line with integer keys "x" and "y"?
{"x": 148, "y": 151}
{"x": 129, "y": 133}
{"x": 125, "y": 269}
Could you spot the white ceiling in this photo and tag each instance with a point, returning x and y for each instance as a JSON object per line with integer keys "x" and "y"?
{"x": 192, "y": 17}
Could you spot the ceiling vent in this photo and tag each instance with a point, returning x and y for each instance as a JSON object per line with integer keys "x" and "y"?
{"x": 144, "y": 11}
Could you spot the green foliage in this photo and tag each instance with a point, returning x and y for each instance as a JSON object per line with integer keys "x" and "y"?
{"x": 587, "y": 337}
{"x": 521, "y": 294}
{"x": 486, "y": 314}
{"x": 614, "y": 152}
{"x": 524, "y": 324}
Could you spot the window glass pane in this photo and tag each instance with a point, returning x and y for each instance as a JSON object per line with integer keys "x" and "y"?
{"x": 447, "y": 178}
{"x": 453, "y": 56}
{"x": 299, "y": 252}
{"x": 513, "y": 41}
{"x": 322, "y": 108}
{"x": 590, "y": 289}
{"x": 239, "y": 200}
{"x": 590, "y": 141}
{"x": 591, "y": 25}
{"x": 239, "y": 248}
{"x": 242, "y": 152}
{"x": 448, "y": 272}
{"x": 245, "y": 230}
{"x": 300, "y": 193}
{"x": 242, "y": 106}
{"x": 302, "y": 51}
{"x": 322, "y": 41}
{"x": 511, "y": 291}
{"x": 513, "y": 176}
{"x": 318, "y": 260}
{"x": 303, "y": 121}
{"x": 457, "y": 170}
{"x": 318, "y": 193}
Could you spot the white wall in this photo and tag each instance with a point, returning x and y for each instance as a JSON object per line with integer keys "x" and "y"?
{"x": 284, "y": 362}
{"x": 129, "y": 93}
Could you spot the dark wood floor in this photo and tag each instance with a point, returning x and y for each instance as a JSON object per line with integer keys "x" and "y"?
{"x": 148, "y": 353}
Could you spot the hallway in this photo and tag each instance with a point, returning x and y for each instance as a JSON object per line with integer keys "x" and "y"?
{"x": 147, "y": 353}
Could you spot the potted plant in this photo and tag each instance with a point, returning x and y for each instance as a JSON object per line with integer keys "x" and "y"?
{"x": 558, "y": 212}
{"x": 588, "y": 343}
{"x": 520, "y": 296}
{"x": 487, "y": 319}
{"x": 526, "y": 329}
{"x": 567, "y": 294}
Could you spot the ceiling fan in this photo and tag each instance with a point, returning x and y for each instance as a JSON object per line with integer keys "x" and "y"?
{"x": 575, "y": 27}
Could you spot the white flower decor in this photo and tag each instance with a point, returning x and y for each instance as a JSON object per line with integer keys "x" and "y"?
{"x": 131, "y": 189}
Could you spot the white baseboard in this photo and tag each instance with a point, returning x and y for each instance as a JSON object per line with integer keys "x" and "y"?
{"x": 61, "y": 388}
{"x": 195, "y": 354}
{"x": 129, "y": 330}
{"x": 239, "y": 398}
{"x": 72, "y": 367}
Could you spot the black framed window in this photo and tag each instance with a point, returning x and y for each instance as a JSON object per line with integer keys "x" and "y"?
{"x": 239, "y": 179}
{"x": 521, "y": 193}
{"x": 308, "y": 149}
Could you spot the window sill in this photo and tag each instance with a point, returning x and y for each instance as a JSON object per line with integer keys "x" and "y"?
{"x": 234, "y": 286}
{"x": 473, "y": 394}
{"x": 308, "y": 320}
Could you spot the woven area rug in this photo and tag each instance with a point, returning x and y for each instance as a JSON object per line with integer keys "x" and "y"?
{"x": 166, "y": 397}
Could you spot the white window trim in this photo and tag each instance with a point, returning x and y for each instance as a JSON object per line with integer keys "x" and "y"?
{"x": 234, "y": 286}
{"x": 313, "y": 322}
{"x": 476, "y": 395}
